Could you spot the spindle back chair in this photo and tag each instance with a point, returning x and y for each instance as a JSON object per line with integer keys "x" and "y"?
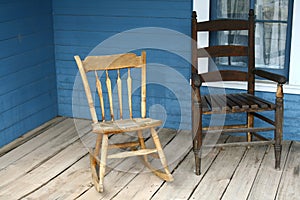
{"x": 115, "y": 125}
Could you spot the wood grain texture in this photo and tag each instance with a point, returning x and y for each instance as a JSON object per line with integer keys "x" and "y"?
{"x": 119, "y": 84}
{"x": 111, "y": 62}
{"x": 100, "y": 94}
{"x": 129, "y": 87}
{"x": 109, "y": 90}
{"x": 66, "y": 174}
{"x": 262, "y": 189}
{"x": 289, "y": 187}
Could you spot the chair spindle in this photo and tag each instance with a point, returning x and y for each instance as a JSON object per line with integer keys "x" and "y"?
{"x": 119, "y": 83}
{"x": 129, "y": 86}
{"x": 108, "y": 85}
{"x": 100, "y": 94}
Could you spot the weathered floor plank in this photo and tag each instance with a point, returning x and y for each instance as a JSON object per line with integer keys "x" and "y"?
{"x": 242, "y": 180}
{"x": 55, "y": 165}
{"x": 42, "y": 174}
{"x": 13, "y": 154}
{"x": 30, "y": 135}
{"x": 122, "y": 174}
{"x": 145, "y": 184}
{"x": 185, "y": 179}
{"x": 62, "y": 138}
{"x": 290, "y": 183}
{"x": 268, "y": 178}
{"x": 219, "y": 174}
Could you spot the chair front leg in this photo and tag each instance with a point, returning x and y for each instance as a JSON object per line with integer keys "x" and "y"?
{"x": 197, "y": 129}
{"x": 94, "y": 154}
{"x": 103, "y": 163}
{"x": 279, "y": 125}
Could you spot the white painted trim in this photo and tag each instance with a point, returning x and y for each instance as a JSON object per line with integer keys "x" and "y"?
{"x": 294, "y": 78}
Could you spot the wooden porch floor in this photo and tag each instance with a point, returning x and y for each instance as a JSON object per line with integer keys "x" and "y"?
{"x": 53, "y": 163}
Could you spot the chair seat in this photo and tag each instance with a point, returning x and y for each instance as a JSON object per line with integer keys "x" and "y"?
{"x": 125, "y": 125}
{"x": 231, "y": 103}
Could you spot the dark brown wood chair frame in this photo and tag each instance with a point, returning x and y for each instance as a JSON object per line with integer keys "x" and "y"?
{"x": 233, "y": 103}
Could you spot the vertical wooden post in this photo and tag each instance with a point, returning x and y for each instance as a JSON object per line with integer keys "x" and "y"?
{"x": 196, "y": 100}
{"x": 143, "y": 89}
{"x": 251, "y": 66}
{"x": 279, "y": 125}
{"x": 87, "y": 89}
{"x": 251, "y": 52}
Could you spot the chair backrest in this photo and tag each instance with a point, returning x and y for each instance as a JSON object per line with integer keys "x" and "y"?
{"x": 225, "y": 50}
{"x": 107, "y": 64}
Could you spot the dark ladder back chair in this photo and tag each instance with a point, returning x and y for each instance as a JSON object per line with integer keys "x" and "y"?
{"x": 233, "y": 103}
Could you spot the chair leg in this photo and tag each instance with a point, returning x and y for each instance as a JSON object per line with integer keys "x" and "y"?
{"x": 250, "y": 125}
{"x": 166, "y": 175}
{"x": 197, "y": 128}
{"x": 104, "y": 147}
{"x": 197, "y": 159}
{"x": 279, "y": 125}
{"x": 197, "y": 144}
{"x": 142, "y": 143}
{"x": 93, "y": 161}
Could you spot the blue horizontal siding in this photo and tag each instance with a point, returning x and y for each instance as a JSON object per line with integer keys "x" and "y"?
{"x": 26, "y": 26}
{"x": 11, "y": 133}
{"x": 79, "y": 27}
{"x": 28, "y": 95}
{"x": 41, "y": 55}
{"x": 15, "y": 10}
{"x": 135, "y": 8}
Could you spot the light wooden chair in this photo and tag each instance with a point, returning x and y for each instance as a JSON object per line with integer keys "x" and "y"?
{"x": 105, "y": 127}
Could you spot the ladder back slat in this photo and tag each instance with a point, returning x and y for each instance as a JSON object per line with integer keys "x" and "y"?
{"x": 108, "y": 85}
{"x": 100, "y": 94}
{"x": 223, "y": 25}
{"x": 111, "y": 62}
{"x": 129, "y": 86}
{"x": 222, "y": 51}
{"x": 119, "y": 83}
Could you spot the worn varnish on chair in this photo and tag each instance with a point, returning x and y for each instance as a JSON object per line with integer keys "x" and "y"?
{"x": 105, "y": 127}
{"x": 233, "y": 103}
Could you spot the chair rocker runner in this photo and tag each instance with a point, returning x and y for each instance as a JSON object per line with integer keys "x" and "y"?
{"x": 246, "y": 103}
{"x": 105, "y": 127}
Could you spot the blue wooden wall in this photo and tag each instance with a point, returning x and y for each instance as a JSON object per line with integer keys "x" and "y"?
{"x": 27, "y": 68}
{"x": 38, "y": 40}
{"x": 80, "y": 26}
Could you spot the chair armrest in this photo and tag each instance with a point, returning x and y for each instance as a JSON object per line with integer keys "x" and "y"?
{"x": 196, "y": 80}
{"x": 270, "y": 76}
